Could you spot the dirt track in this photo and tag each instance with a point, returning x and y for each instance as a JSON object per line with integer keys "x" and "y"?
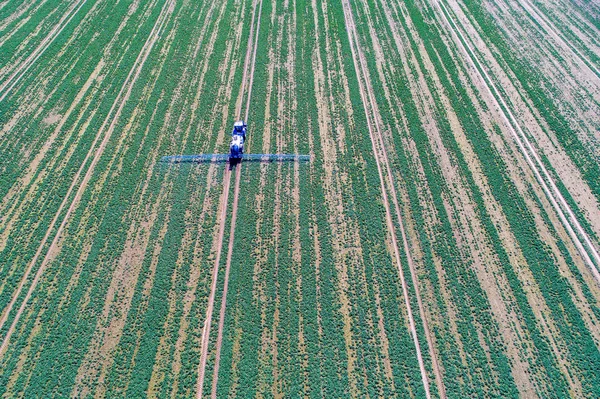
{"x": 122, "y": 97}
{"x": 236, "y": 195}
{"x": 213, "y": 290}
{"x": 246, "y": 83}
{"x": 379, "y": 151}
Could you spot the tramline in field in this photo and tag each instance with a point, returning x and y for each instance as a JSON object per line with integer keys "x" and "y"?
{"x": 440, "y": 240}
{"x": 236, "y": 152}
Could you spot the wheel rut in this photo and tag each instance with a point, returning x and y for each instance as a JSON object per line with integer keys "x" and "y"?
{"x": 386, "y": 179}
{"x": 580, "y": 238}
{"x": 247, "y": 80}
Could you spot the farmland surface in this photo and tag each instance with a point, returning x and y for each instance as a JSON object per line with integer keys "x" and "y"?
{"x": 443, "y": 241}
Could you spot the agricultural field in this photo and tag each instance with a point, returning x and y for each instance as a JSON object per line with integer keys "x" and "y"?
{"x": 442, "y": 242}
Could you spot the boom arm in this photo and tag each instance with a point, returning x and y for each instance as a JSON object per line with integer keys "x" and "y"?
{"x": 218, "y": 158}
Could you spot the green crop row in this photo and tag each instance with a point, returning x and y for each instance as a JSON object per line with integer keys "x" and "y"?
{"x": 314, "y": 308}
{"x": 540, "y": 90}
{"x": 577, "y": 18}
{"x": 31, "y": 224}
{"x": 486, "y": 363}
{"x": 521, "y": 222}
{"x": 445, "y": 247}
{"x": 70, "y": 319}
{"x": 32, "y": 27}
{"x": 80, "y": 314}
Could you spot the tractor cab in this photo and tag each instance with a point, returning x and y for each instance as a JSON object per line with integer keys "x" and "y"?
{"x": 239, "y": 129}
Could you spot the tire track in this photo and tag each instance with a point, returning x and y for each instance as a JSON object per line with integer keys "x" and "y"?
{"x": 226, "y": 284}
{"x": 549, "y": 27}
{"x": 381, "y": 158}
{"x": 17, "y": 75}
{"x": 122, "y": 97}
{"x": 238, "y": 174}
{"x": 211, "y": 300}
{"x": 222, "y": 203}
{"x": 570, "y": 222}
{"x": 247, "y": 76}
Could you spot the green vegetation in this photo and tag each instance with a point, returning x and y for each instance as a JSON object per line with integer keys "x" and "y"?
{"x": 315, "y": 303}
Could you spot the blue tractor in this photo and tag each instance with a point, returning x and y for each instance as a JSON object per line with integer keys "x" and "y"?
{"x": 236, "y": 152}
{"x": 236, "y": 147}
